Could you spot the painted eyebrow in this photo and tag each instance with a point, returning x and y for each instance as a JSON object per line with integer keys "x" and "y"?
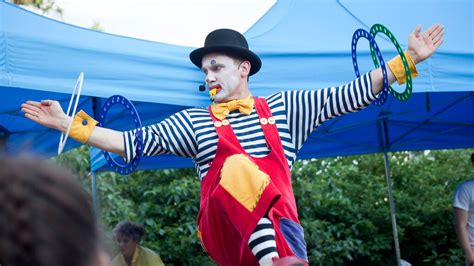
{"x": 212, "y": 66}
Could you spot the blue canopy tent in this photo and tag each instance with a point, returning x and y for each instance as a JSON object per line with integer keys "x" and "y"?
{"x": 303, "y": 44}
{"x": 307, "y": 45}
{"x": 41, "y": 58}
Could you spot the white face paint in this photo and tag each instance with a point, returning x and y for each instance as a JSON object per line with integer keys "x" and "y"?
{"x": 222, "y": 72}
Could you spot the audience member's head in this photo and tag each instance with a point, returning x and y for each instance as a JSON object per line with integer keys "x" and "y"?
{"x": 46, "y": 218}
{"x": 128, "y": 236}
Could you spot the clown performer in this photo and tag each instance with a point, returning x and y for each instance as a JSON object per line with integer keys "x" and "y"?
{"x": 243, "y": 147}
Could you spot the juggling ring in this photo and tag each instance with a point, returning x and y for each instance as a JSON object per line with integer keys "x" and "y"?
{"x": 123, "y": 169}
{"x": 76, "y": 92}
{"x": 405, "y": 95}
{"x": 373, "y": 45}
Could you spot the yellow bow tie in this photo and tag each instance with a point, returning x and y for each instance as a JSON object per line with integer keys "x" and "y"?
{"x": 221, "y": 110}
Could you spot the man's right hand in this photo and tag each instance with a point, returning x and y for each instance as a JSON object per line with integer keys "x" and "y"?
{"x": 47, "y": 113}
{"x": 50, "y": 114}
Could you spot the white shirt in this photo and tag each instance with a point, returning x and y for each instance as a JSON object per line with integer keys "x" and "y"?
{"x": 191, "y": 132}
{"x": 464, "y": 199}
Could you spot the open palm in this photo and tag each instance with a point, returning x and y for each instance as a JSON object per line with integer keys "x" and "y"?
{"x": 423, "y": 45}
{"x": 47, "y": 113}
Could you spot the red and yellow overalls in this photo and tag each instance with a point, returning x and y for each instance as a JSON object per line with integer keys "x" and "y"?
{"x": 239, "y": 190}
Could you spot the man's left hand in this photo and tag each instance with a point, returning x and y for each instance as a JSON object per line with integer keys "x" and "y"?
{"x": 422, "y": 45}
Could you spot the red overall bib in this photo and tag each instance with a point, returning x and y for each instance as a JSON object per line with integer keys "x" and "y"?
{"x": 225, "y": 224}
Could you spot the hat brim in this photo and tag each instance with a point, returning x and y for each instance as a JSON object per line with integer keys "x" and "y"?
{"x": 197, "y": 55}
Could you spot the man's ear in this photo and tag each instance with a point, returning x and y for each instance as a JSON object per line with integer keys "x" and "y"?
{"x": 245, "y": 68}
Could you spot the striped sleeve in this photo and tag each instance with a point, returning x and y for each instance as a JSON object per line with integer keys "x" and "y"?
{"x": 174, "y": 135}
{"x": 307, "y": 109}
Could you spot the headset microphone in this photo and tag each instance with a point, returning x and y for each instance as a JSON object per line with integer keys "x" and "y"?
{"x": 202, "y": 87}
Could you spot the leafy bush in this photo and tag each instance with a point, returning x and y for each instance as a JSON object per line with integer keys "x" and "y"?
{"x": 343, "y": 205}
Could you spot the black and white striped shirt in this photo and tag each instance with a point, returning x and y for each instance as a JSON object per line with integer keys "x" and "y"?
{"x": 191, "y": 133}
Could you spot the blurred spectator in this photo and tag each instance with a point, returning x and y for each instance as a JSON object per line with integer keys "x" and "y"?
{"x": 128, "y": 236}
{"x": 464, "y": 217}
{"x": 46, "y": 218}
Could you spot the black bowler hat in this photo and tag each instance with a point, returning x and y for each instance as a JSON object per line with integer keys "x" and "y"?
{"x": 230, "y": 42}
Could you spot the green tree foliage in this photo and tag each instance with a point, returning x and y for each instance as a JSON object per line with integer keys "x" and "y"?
{"x": 342, "y": 202}
{"x": 97, "y": 27}
{"x": 50, "y": 6}
{"x": 343, "y": 205}
{"x": 166, "y": 202}
{"x": 45, "y": 6}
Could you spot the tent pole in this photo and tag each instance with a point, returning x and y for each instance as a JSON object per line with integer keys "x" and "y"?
{"x": 385, "y": 143}
{"x": 95, "y": 110}
{"x": 392, "y": 208}
{"x": 95, "y": 202}
{"x": 3, "y": 138}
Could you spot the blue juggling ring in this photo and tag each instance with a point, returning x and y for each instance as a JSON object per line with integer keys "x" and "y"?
{"x": 128, "y": 168}
{"x": 361, "y": 33}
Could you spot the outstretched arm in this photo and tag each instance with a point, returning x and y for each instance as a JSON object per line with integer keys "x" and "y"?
{"x": 324, "y": 104}
{"x": 421, "y": 45}
{"x": 50, "y": 114}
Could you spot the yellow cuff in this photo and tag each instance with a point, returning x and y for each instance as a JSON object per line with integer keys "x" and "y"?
{"x": 82, "y": 126}
{"x": 398, "y": 70}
